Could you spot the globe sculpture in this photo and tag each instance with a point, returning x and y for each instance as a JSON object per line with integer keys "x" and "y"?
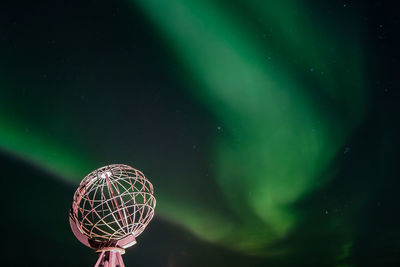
{"x": 111, "y": 207}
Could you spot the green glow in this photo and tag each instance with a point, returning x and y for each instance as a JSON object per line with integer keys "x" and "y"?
{"x": 47, "y": 154}
{"x": 23, "y": 139}
{"x": 287, "y": 92}
{"x": 271, "y": 97}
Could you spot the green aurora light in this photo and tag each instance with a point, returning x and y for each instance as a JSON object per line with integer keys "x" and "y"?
{"x": 272, "y": 93}
{"x": 287, "y": 90}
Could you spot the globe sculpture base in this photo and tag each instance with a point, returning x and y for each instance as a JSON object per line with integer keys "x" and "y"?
{"x": 110, "y": 258}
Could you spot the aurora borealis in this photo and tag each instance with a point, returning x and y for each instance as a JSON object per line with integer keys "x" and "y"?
{"x": 268, "y": 129}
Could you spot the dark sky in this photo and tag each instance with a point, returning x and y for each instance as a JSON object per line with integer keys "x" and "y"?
{"x": 269, "y": 131}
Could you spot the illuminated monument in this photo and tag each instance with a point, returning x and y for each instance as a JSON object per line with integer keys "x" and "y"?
{"x": 111, "y": 207}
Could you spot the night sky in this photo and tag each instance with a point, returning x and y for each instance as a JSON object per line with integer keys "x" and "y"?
{"x": 269, "y": 129}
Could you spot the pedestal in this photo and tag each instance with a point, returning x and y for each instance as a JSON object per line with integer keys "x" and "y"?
{"x": 110, "y": 257}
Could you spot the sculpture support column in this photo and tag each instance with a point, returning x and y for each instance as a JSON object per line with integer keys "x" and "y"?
{"x": 110, "y": 258}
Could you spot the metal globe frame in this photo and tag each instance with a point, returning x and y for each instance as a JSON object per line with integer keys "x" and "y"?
{"x": 111, "y": 207}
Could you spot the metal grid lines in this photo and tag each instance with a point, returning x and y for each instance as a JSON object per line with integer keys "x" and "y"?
{"x": 112, "y": 203}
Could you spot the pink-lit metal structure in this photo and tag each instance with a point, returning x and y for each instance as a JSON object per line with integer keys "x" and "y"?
{"x": 111, "y": 207}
